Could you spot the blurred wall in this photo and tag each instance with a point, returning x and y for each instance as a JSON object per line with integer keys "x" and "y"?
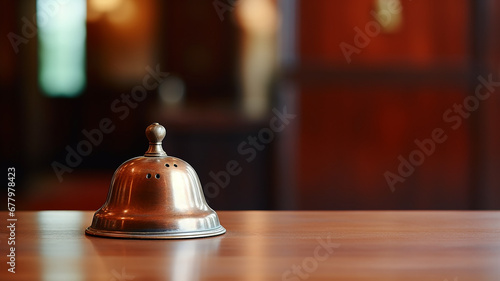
{"x": 366, "y": 104}
{"x": 389, "y": 117}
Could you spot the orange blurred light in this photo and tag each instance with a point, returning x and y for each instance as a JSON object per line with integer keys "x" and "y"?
{"x": 104, "y": 6}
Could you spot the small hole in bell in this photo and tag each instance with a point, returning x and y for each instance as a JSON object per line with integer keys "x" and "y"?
{"x": 157, "y": 176}
{"x": 175, "y": 165}
{"x": 166, "y": 165}
{"x": 148, "y": 176}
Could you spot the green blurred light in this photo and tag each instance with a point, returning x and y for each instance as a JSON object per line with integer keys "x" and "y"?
{"x": 61, "y": 38}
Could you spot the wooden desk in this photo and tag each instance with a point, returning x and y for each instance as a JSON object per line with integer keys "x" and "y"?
{"x": 266, "y": 245}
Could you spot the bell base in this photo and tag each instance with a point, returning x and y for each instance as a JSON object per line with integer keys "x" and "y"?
{"x": 155, "y": 235}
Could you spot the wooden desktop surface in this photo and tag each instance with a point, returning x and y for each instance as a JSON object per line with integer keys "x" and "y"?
{"x": 266, "y": 245}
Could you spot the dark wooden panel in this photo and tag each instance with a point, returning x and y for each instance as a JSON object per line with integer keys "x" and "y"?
{"x": 357, "y": 117}
{"x": 350, "y": 136}
{"x": 431, "y": 32}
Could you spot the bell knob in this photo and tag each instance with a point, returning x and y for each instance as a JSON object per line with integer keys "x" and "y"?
{"x": 155, "y": 134}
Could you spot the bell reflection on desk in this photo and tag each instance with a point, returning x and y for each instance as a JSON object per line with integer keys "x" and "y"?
{"x": 191, "y": 258}
{"x": 182, "y": 259}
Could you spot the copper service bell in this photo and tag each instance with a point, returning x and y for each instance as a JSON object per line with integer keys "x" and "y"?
{"x": 155, "y": 196}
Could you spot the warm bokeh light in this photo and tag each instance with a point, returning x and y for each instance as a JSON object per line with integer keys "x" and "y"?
{"x": 258, "y": 16}
{"x": 104, "y": 5}
{"x": 259, "y": 21}
{"x": 124, "y": 13}
{"x": 116, "y": 11}
{"x": 389, "y": 14}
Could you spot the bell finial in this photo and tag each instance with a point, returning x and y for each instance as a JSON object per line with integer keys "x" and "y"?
{"x": 155, "y": 134}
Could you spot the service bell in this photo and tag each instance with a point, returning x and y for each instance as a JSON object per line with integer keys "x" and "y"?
{"x": 155, "y": 196}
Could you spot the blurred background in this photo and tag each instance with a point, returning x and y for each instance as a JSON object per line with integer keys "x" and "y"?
{"x": 322, "y": 104}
